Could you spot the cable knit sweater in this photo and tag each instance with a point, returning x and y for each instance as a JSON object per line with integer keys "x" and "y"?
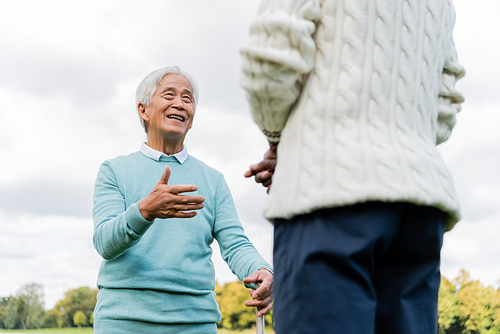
{"x": 358, "y": 93}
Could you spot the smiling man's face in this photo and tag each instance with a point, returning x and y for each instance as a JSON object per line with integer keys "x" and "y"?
{"x": 171, "y": 110}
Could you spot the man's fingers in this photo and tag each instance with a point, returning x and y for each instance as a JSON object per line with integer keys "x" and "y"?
{"x": 264, "y": 176}
{"x": 265, "y": 304}
{"x": 253, "y": 278}
{"x": 265, "y": 288}
{"x": 248, "y": 173}
{"x": 188, "y": 207}
{"x": 166, "y": 175}
{"x": 258, "y": 303}
{"x": 177, "y": 189}
{"x": 265, "y": 164}
{"x": 264, "y": 291}
{"x": 265, "y": 284}
{"x": 264, "y": 310}
{"x": 263, "y": 295}
{"x": 185, "y": 199}
{"x": 182, "y": 188}
{"x": 267, "y": 183}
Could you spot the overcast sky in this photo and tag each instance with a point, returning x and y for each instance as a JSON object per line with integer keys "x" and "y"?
{"x": 68, "y": 73}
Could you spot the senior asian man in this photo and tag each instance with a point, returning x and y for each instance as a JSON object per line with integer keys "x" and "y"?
{"x": 156, "y": 212}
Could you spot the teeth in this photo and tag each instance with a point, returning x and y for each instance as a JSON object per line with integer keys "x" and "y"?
{"x": 179, "y": 118}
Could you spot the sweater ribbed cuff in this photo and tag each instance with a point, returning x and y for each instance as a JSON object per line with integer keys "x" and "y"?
{"x": 136, "y": 221}
{"x": 272, "y": 136}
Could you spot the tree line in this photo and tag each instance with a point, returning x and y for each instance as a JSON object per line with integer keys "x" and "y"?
{"x": 25, "y": 309}
{"x": 465, "y": 306}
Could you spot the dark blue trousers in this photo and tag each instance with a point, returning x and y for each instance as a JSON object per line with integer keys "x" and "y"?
{"x": 361, "y": 269}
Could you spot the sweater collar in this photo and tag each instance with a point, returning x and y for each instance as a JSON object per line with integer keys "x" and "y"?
{"x": 156, "y": 155}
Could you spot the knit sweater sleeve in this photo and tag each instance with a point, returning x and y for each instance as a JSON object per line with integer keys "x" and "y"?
{"x": 450, "y": 98}
{"x": 280, "y": 51}
{"x": 238, "y": 252}
{"x": 116, "y": 228}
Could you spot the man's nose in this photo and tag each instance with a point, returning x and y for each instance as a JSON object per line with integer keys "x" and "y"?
{"x": 178, "y": 103}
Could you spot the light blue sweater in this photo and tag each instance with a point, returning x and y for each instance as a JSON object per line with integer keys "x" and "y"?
{"x": 160, "y": 272}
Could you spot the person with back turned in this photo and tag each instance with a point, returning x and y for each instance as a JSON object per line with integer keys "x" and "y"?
{"x": 156, "y": 213}
{"x": 354, "y": 97}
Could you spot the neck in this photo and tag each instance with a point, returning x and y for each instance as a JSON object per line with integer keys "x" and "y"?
{"x": 168, "y": 146}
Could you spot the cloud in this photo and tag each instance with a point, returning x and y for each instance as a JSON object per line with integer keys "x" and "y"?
{"x": 470, "y": 155}
{"x": 473, "y": 246}
{"x": 47, "y": 197}
{"x": 475, "y": 35}
{"x": 55, "y": 251}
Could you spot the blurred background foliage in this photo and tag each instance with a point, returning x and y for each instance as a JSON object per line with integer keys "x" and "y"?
{"x": 465, "y": 306}
{"x": 231, "y": 298}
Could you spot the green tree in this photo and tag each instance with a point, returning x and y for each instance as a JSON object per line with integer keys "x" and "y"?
{"x": 3, "y": 309}
{"x": 10, "y": 318}
{"x": 81, "y": 299}
{"x": 79, "y": 319}
{"x": 478, "y": 306}
{"x": 22, "y": 310}
{"x": 36, "y": 316}
{"x": 235, "y": 315}
{"x": 447, "y": 305}
{"x": 30, "y": 306}
{"x": 54, "y": 318}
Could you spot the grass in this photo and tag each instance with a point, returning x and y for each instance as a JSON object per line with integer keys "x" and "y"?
{"x": 88, "y": 330}
{"x": 75, "y": 330}
{"x": 246, "y": 331}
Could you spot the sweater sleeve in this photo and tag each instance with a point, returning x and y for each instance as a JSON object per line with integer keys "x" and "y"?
{"x": 116, "y": 228}
{"x": 280, "y": 51}
{"x": 236, "y": 249}
{"x": 450, "y": 98}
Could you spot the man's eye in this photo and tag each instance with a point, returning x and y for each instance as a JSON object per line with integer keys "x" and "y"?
{"x": 187, "y": 98}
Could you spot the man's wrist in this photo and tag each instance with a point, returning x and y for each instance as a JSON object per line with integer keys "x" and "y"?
{"x": 266, "y": 269}
{"x": 273, "y": 146}
{"x": 144, "y": 212}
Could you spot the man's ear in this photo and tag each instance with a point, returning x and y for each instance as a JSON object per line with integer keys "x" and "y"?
{"x": 142, "y": 112}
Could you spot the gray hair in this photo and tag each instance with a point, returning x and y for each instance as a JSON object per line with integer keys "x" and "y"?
{"x": 150, "y": 83}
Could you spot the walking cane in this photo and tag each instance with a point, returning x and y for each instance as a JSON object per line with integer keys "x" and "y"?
{"x": 260, "y": 320}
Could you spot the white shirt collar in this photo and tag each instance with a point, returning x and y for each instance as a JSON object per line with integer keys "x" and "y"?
{"x": 156, "y": 155}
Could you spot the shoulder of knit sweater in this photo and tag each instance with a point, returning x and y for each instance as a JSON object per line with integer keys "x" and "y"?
{"x": 201, "y": 164}
{"x": 134, "y": 156}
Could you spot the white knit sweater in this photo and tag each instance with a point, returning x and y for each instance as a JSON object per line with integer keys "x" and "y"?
{"x": 359, "y": 93}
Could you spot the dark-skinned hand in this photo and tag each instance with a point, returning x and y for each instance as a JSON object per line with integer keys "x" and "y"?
{"x": 264, "y": 170}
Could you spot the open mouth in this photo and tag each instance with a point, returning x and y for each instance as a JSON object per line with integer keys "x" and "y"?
{"x": 179, "y": 118}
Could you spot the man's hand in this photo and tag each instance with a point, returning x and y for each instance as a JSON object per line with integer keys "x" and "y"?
{"x": 263, "y": 296}
{"x": 264, "y": 170}
{"x": 164, "y": 201}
